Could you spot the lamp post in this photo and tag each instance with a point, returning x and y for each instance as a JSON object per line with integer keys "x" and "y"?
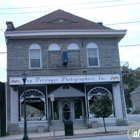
{"x": 52, "y": 100}
{"x": 25, "y": 136}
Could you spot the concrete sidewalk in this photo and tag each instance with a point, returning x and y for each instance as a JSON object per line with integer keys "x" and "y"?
{"x": 77, "y": 133}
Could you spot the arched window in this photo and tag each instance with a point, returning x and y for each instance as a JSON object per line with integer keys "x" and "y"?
{"x": 35, "y": 56}
{"x": 73, "y": 55}
{"x": 92, "y": 55}
{"x": 73, "y": 46}
{"x": 35, "y": 105}
{"x": 54, "y": 47}
{"x": 54, "y": 50}
{"x": 94, "y": 94}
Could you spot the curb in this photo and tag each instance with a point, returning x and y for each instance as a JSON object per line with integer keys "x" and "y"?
{"x": 81, "y": 135}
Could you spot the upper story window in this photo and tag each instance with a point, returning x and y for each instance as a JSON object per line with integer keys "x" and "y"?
{"x": 73, "y": 46}
{"x": 73, "y": 55}
{"x": 54, "y": 47}
{"x": 35, "y": 56}
{"x": 92, "y": 55}
{"x": 54, "y": 56}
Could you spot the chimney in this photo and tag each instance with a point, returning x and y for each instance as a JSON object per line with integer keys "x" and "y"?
{"x": 10, "y": 26}
{"x": 100, "y": 23}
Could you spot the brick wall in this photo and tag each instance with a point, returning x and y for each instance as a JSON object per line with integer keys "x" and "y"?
{"x": 18, "y": 57}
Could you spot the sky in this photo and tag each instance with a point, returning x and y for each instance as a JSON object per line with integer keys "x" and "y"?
{"x": 115, "y": 14}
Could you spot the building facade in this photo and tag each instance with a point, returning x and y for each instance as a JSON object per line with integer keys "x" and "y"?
{"x": 64, "y": 55}
{"x": 135, "y": 98}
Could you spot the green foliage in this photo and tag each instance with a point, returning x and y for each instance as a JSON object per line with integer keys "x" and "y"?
{"x": 132, "y": 79}
{"x": 102, "y": 107}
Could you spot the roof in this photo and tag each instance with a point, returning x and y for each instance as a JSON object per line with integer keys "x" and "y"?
{"x": 61, "y": 24}
{"x": 60, "y": 19}
{"x": 136, "y": 90}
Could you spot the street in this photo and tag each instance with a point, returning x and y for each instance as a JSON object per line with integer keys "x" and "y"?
{"x": 131, "y": 117}
{"x": 134, "y": 117}
{"x": 112, "y": 137}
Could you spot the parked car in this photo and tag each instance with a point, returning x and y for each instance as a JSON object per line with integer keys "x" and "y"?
{"x": 129, "y": 110}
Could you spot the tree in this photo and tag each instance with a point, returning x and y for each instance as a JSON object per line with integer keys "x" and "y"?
{"x": 102, "y": 107}
{"x": 132, "y": 79}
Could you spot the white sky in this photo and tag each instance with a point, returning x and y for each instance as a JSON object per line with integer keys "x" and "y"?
{"x": 104, "y": 11}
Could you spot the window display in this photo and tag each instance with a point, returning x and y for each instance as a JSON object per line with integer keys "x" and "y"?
{"x": 35, "y": 106}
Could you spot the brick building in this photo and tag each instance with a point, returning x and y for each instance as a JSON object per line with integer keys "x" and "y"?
{"x": 72, "y": 58}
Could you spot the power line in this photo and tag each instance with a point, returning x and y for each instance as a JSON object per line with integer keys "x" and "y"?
{"x": 123, "y": 23}
{"x": 130, "y": 22}
{"x": 57, "y": 5}
{"x": 74, "y": 9}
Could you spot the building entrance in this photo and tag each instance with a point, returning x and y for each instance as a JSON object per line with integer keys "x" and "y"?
{"x": 69, "y": 109}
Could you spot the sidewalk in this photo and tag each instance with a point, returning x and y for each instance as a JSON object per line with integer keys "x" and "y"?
{"x": 77, "y": 133}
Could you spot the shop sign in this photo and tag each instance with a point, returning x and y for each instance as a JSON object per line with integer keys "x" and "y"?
{"x": 65, "y": 79}
{"x": 33, "y": 100}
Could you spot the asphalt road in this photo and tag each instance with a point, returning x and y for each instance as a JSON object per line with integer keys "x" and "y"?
{"x": 131, "y": 117}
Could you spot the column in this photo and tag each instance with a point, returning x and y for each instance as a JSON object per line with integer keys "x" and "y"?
{"x": 117, "y": 101}
{"x": 14, "y": 127}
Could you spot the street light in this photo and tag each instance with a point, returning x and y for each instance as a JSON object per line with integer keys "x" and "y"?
{"x": 25, "y": 136}
{"x": 52, "y": 100}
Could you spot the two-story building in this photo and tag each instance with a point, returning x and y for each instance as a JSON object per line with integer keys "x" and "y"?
{"x": 72, "y": 58}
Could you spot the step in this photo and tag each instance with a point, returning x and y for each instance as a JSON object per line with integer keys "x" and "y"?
{"x": 59, "y": 128}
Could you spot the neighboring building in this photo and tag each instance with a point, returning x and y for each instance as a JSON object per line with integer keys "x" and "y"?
{"x": 135, "y": 98}
{"x": 2, "y": 110}
{"x": 75, "y": 59}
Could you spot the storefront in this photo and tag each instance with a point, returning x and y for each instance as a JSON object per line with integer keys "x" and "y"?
{"x": 73, "y": 96}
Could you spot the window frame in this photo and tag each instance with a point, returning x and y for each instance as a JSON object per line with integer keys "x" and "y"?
{"x": 35, "y": 47}
{"x": 92, "y": 46}
{"x": 32, "y": 94}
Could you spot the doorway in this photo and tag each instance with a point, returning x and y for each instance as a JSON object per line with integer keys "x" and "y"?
{"x": 69, "y": 109}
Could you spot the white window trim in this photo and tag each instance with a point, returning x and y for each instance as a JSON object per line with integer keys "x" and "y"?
{"x": 35, "y": 47}
{"x": 92, "y": 47}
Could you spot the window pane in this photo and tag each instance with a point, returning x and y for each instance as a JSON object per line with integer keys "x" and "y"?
{"x": 56, "y": 110}
{"x": 92, "y": 52}
{"x": 34, "y": 58}
{"x": 92, "y": 57}
{"x": 78, "y": 108}
{"x": 93, "y": 61}
{"x": 35, "y": 54}
{"x": 34, "y": 109}
{"x": 35, "y": 63}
